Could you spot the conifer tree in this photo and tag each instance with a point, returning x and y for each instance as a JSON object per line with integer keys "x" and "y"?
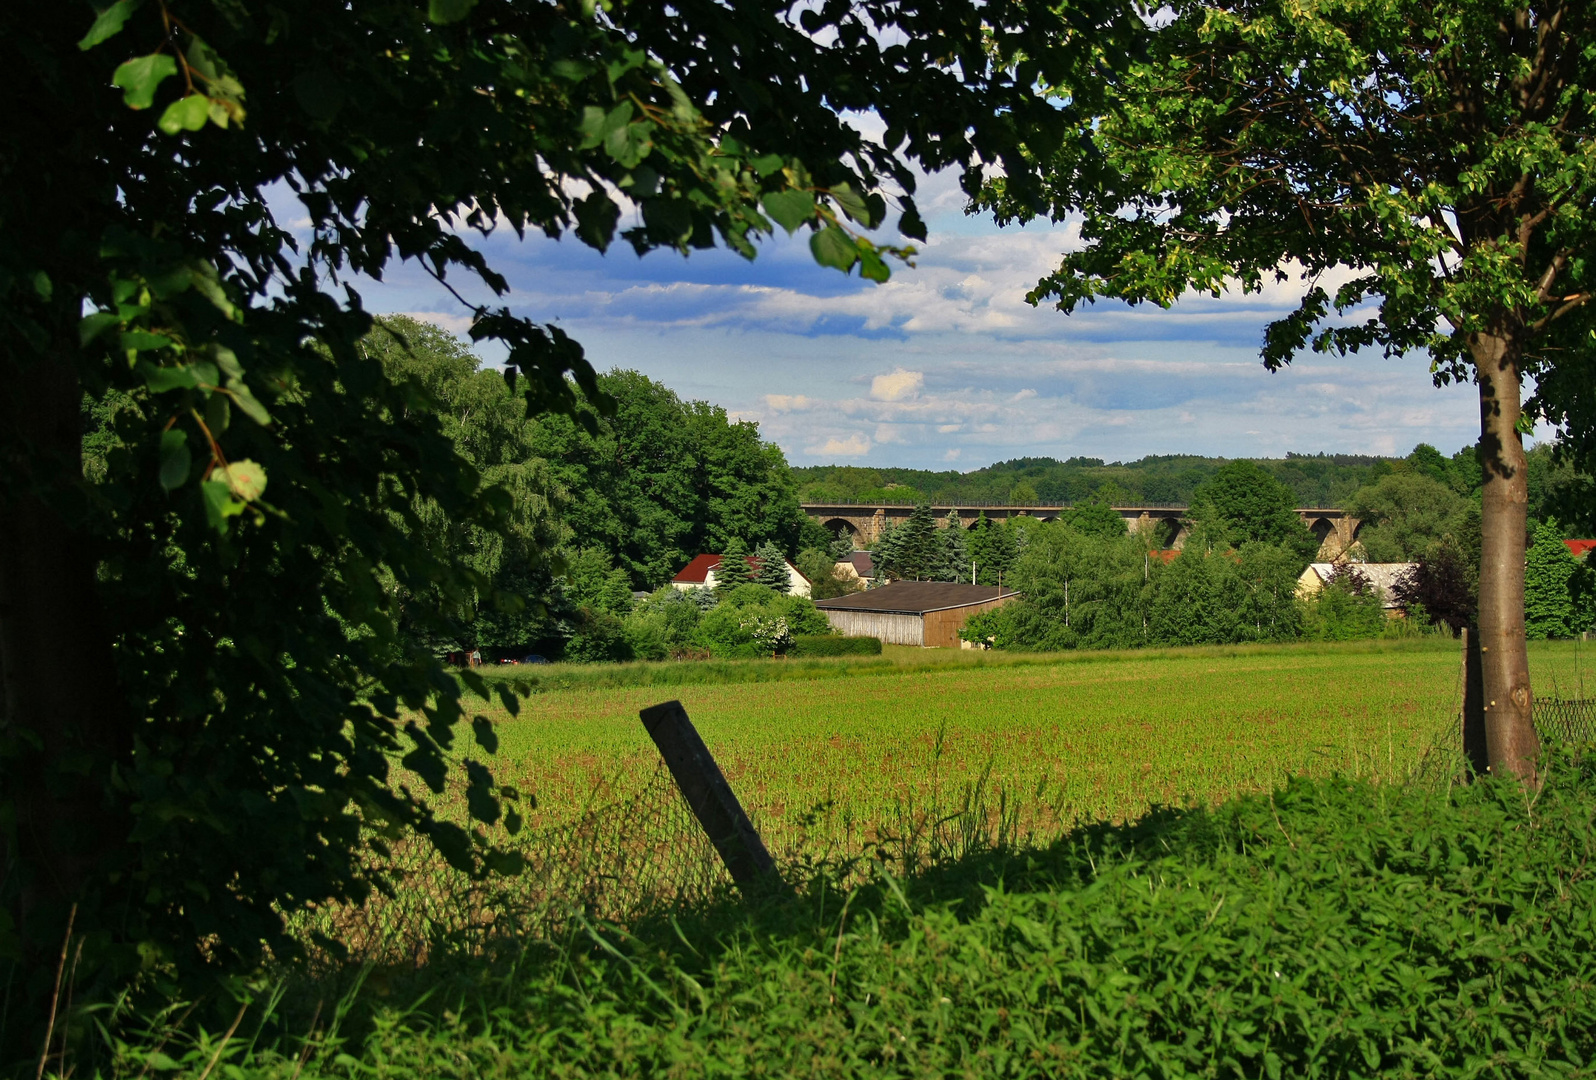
{"x": 733, "y": 569}
{"x": 1551, "y": 577}
{"x": 772, "y": 567}
{"x": 955, "y": 556}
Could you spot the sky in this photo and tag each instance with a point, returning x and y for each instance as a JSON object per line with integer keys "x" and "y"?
{"x": 945, "y": 365}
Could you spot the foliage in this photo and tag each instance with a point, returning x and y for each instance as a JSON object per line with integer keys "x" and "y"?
{"x": 1357, "y": 929}
{"x": 993, "y": 547}
{"x": 824, "y": 581}
{"x": 1095, "y": 592}
{"x": 663, "y": 623}
{"x": 915, "y": 549}
{"x": 752, "y": 620}
{"x": 1405, "y": 513}
{"x": 733, "y": 569}
{"x": 1444, "y": 585}
{"x": 1095, "y": 517}
{"x": 662, "y": 480}
{"x": 1242, "y": 503}
{"x": 834, "y": 645}
{"x": 1347, "y": 608}
{"x": 598, "y": 636}
{"x": 235, "y": 575}
{"x": 773, "y": 573}
{"x": 1559, "y": 597}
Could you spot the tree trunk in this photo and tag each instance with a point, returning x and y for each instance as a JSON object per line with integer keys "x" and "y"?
{"x": 1512, "y": 745}
{"x": 61, "y": 707}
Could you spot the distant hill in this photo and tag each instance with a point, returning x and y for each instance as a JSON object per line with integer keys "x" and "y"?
{"x": 1318, "y": 479}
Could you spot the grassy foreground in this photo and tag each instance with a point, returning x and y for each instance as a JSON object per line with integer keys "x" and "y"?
{"x": 1307, "y": 902}
{"x": 1335, "y": 928}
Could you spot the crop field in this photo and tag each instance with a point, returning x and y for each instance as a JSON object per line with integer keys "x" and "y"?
{"x": 918, "y": 755}
{"x": 1079, "y": 737}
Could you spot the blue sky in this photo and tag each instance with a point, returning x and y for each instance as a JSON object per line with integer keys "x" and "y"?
{"x": 946, "y": 366}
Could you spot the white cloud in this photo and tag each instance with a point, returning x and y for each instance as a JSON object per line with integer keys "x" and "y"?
{"x": 953, "y": 453}
{"x": 897, "y": 386}
{"x": 458, "y": 325}
{"x": 781, "y": 403}
{"x": 855, "y": 445}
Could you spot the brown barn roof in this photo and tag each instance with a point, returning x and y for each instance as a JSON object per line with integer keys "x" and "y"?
{"x": 914, "y": 598}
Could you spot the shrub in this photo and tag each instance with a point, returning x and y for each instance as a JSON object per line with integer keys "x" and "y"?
{"x": 834, "y": 645}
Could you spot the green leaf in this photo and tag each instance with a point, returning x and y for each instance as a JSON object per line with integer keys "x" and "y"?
{"x": 220, "y": 503}
{"x": 218, "y": 413}
{"x": 767, "y": 164}
{"x": 870, "y": 263}
{"x": 790, "y": 207}
{"x": 43, "y": 285}
{"x": 448, "y": 11}
{"x": 247, "y": 479}
{"x": 94, "y": 325}
{"x": 833, "y": 247}
{"x": 109, "y": 23}
{"x": 161, "y": 380}
{"x": 630, "y": 143}
{"x": 140, "y": 77}
{"x": 247, "y": 402}
{"x": 185, "y": 114}
{"x": 143, "y": 340}
{"x": 910, "y": 224}
{"x": 852, "y": 204}
{"x": 175, "y": 459}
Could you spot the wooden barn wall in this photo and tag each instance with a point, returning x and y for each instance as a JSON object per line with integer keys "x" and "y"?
{"x": 891, "y": 629}
{"x": 942, "y": 627}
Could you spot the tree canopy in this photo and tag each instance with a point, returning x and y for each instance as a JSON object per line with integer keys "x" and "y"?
{"x": 1421, "y": 169}
{"x": 235, "y": 575}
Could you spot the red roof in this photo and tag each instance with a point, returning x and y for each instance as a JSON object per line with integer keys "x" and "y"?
{"x": 697, "y": 571}
{"x": 1580, "y": 547}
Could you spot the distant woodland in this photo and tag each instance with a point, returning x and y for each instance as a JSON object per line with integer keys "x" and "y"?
{"x": 1557, "y": 491}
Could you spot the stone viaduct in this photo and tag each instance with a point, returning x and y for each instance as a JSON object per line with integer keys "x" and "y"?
{"x": 1336, "y": 529}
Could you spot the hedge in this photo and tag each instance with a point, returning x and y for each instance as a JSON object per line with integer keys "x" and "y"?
{"x": 834, "y": 645}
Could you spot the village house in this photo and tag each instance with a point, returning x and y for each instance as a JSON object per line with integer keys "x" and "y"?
{"x": 858, "y": 566}
{"x": 1383, "y": 576}
{"x": 925, "y": 613}
{"x": 700, "y": 574}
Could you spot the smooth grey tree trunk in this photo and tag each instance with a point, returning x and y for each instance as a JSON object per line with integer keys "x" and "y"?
{"x": 1508, "y": 703}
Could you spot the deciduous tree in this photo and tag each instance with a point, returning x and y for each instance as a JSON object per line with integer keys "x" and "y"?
{"x": 1421, "y": 167}
{"x": 224, "y": 577}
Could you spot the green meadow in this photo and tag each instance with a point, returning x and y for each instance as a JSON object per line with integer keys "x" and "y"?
{"x": 835, "y": 749}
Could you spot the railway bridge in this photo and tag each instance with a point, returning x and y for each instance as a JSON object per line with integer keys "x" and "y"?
{"x": 1336, "y": 529}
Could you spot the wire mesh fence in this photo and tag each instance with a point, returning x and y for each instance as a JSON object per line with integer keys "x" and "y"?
{"x": 625, "y": 853}
{"x": 1569, "y": 720}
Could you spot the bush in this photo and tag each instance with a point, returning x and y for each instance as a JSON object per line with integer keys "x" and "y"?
{"x": 600, "y": 636}
{"x": 730, "y": 629}
{"x": 834, "y": 645}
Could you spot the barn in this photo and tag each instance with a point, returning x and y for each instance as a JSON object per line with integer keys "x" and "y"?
{"x": 926, "y": 613}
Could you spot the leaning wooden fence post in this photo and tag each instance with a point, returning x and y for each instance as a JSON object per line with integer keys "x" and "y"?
{"x": 710, "y": 797}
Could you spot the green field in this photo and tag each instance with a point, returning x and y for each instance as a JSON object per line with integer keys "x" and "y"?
{"x": 1068, "y": 737}
{"x": 1389, "y": 922}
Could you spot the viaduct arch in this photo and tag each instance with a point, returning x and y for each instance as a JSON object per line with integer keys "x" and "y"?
{"x": 1336, "y": 529}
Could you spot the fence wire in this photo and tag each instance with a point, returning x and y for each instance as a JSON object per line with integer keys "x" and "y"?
{"x": 616, "y": 859}
{"x": 1569, "y": 720}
